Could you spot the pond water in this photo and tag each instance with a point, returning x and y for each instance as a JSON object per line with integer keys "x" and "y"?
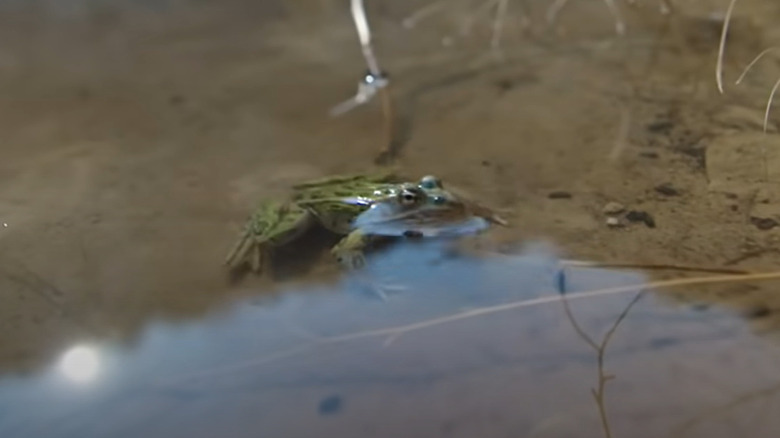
{"x": 136, "y": 136}
{"x": 470, "y": 346}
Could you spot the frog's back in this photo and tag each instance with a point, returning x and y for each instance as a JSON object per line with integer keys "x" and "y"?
{"x": 384, "y": 176}
{"x": 326, "y": 198}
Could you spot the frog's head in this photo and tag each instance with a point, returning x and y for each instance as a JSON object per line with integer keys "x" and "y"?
{"x": 424, "y": 209}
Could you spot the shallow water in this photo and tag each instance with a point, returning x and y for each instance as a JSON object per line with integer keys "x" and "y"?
{"x": 137, "y": 135}
{"x": 327, "y": 360}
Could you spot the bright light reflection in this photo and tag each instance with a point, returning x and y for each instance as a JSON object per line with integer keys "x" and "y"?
{"x": 80, "y": 364}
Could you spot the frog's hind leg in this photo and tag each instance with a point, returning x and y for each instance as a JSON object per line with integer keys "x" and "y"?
{"x": 271, "y": 224}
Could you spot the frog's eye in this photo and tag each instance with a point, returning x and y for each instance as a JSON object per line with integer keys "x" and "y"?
{"x": 408, "y": 197}
{"x": 439, "y": 200}
{"x": 430, "y": 182}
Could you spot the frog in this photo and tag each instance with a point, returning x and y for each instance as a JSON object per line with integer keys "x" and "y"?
{"x": 360, "y": 207}
{"x": 426, "y": 210}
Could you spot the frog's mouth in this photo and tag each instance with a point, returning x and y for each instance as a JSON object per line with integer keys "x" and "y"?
{"x": 385, "y": 220}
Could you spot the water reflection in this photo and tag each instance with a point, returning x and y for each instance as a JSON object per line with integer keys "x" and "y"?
{"x": 473, "y": 346}
{"x": 80, "y": 364}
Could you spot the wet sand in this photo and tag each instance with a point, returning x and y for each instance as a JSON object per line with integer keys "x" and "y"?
{"x": 136, "y": 138}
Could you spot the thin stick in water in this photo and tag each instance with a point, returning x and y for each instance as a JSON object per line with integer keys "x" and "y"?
{"x": 364, "y": 34}
{"x": 753, "y": 62}
{"x": 722, "y": 47}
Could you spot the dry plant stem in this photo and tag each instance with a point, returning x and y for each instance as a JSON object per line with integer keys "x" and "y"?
{"x": 722, "y": 48}
{"x": 498, "y": 24}
{"x": 621, "y": 141}
{"x": 387, "y": 154}
{"x": 554, "y": 9}
{"x": 600, "y": 349}
{"x": 398, "y": 331}
{"x": 620, "y": 27}
{"x": 768, "y": 107}
{"x": 364, "y": 34}
{"x": 753, "y": 62}
{"x": 469, "y": 22}
{"x": 665, "y": 5}
{"x": 774, "y": 89}
{"x": 558, "y": 5}
{"x": 411, "y": 20}
{"x": 665, "y": 267}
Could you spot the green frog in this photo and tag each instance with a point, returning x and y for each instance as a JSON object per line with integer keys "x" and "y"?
{"x": 362, "y": 207}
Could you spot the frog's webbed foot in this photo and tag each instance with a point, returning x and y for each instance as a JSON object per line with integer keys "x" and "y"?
{"x": 250, "y": 249}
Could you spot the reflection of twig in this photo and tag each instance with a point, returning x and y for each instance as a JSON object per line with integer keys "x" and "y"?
{"x": 600, "y": 348}
{"x": 398, "y": 331}
{"x": 646, "y": 266}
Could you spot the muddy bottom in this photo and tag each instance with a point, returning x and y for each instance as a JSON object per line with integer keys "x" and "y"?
{"x": 137, "y": 137}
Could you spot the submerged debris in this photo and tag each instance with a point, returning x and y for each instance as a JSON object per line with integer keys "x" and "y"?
{"x": 765, "y": 216}
{"x": 641, "y": 216}
{"x": 764, "y": 223}
{"x": 560, "y": 194}
{"x": 666, "y": 189}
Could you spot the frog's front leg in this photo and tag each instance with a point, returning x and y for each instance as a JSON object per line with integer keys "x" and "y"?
{"x": 349, "y": 251}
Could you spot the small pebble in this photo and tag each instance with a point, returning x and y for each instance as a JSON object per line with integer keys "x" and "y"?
{"x": 641, "y": 216}
{"x": 559, "y": 195}
{"x": 666, "y": 189}
{"x": 614, "y": 222}
{"x": 662, "y": 126}
{"x": 613, "y": 208}
{"x": 763, "y": 223}
{"x": 504, "y": 84}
